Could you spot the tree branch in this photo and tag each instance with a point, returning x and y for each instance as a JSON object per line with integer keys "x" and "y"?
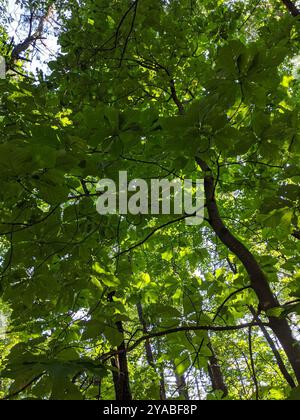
{"x": 175, "y": 98}
{"x": 276, "y": 353}
{"x": 171, "y": 222}
{"x": 15, "y": 394}
{"x": 32, "y": 38}
{"x": 255, "y": 380}
{"x": 181, "y": 329}
{"x": 229, "y": 298}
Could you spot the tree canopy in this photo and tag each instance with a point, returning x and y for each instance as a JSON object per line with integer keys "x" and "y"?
{"x": 146, "y": 307}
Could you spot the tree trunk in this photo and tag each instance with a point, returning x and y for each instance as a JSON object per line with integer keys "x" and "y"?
{"x": 162, "y": 383}
{"x": 120, "y": 372}
{"x": 23, "y": 46}
{"x": 258, "y": 279}
{"x": 148, "y": 348}
{"x": 162, "y": 389}
{"x": 181, "y": 386}
{"x": 149, "y": 353}
{"x": 215, "y": 373}
{"x": 276, "y": 353}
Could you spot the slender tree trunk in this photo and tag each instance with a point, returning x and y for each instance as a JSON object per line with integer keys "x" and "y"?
{"x": 120, "y": 371}
{"x": 162, "y": 385}
{"x": 98, "y": 383}
{"x": 276, "y": 353}
{"x": 242, "y": 391}
{"x": 181, "y": 386}
{"x": 149, "y": 353}
{"x": 115, "y": 375}
{"x": 258, "y": 279}
{"x": 215, "y": 373}
{"x": 162, "y": 388}
{"x": 252, "y": 367}
{"x": 148, "y": 348}
{"x": 120, "y": 365}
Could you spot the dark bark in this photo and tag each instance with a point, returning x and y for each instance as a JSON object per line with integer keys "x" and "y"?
{"x": 121, "y": 373}
{"x": 120, "y": 365}
{"x": 252, "y": 366}
{"x": 148, "y": 348}
{"x": 296, "y": 234}
{"x": 215, "y": 373}
{"x": 276, "y": 353}
{"x": 115, "y": 374}
{"x": 259, "y": 282}
{"x": 162, "y": 385}
{"x": 293, "y": 9}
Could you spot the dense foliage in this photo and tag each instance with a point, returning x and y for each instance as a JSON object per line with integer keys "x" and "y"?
{"x": 147, "y": 307}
